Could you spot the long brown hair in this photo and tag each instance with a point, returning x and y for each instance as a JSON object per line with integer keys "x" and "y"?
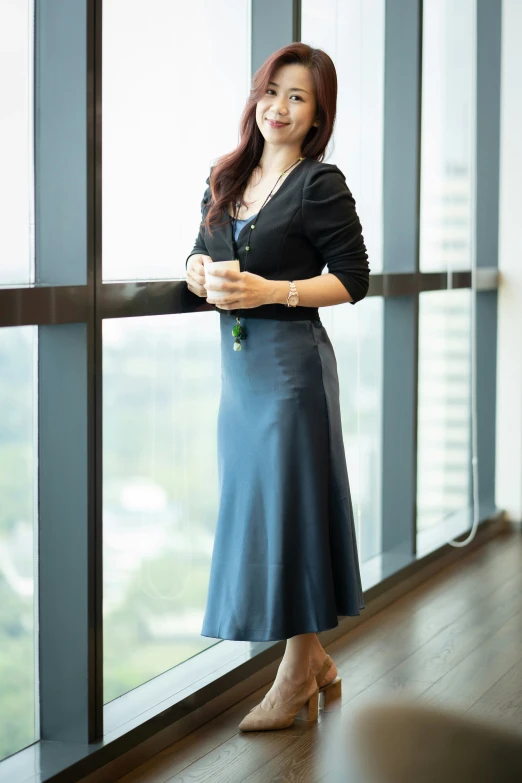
{"x": 230, "y": 174}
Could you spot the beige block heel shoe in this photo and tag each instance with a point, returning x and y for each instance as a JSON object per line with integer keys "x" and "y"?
{"x": 330, "y": 695}
{"x": 303, "y": 705}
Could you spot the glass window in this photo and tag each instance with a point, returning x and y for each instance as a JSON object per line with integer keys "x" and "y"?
{"x": 352, "y": 34}
{"x": 160, "y": 493}
{"x": 447, "y": 133}
{"x": 175, "y": 81}
{"x": 357, "y": 340}
{"x": 443, "y": 433}
{"x": 17, "y": 539}
{"x": 16, "y": 143}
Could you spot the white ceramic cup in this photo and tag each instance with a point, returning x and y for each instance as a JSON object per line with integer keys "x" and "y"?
{"x": 209, "y": 279}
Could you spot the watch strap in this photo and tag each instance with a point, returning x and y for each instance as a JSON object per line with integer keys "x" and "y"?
{"x": 292, "y": 292}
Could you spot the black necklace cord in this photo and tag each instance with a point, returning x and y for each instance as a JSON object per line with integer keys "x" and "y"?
{"x": 239, "y": 331}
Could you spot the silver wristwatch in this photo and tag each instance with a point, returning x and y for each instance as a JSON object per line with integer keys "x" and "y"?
{"x": 292, "y": 300}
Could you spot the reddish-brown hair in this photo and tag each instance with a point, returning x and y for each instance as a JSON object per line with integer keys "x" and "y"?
{"x": 231, "y": 172}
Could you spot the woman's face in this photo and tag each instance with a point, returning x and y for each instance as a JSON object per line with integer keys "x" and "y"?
{"x": 289, "y": 99}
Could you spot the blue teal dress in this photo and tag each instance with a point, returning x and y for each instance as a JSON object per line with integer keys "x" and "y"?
{"x": 285, "y": 558}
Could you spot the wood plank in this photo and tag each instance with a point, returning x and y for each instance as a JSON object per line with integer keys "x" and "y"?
{"x": 503, "y": 701}
{"x": 450, "y": 592}
{"x": 474, "y": 675}
{"x": 296, "y": 763}
{"x": 193, "y": 746}
{"x": 418, "y": 652}
{"x": 438, "y": 655}
{"x": 236, "y": 758}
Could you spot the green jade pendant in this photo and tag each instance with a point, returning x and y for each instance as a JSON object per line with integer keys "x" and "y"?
{"x": 239, "y": 332}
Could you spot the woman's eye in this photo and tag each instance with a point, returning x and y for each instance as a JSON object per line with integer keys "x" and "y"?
{"x": 292, "y": 96}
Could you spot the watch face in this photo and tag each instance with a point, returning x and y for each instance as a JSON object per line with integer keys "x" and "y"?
{"x": 293, "y": 299}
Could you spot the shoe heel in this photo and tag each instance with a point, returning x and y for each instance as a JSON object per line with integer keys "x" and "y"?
{"x": 310, "y": 710}
{"x": 330, "y": 696}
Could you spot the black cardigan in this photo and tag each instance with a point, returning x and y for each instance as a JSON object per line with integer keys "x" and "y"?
{"x": 310, "y": 222}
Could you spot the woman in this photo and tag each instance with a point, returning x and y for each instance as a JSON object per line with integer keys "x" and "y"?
{"x": 284, "y": 563}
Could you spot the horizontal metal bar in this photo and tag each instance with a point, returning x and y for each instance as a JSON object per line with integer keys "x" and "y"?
{"x": 43, "y": 305}
{"x": 162, "y": 297}
{"x": 412, "y": 283}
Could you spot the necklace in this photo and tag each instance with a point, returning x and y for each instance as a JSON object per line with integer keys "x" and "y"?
{"x": 239, "y": 332}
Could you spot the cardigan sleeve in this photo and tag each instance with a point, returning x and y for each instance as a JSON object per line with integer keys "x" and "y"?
{"x": 332, "y": 225}
{"x": 199, "y": 245}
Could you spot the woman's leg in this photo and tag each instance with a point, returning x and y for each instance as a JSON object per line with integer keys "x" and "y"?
{"x": 302, "y": 654}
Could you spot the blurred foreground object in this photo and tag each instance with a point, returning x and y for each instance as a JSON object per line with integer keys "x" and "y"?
{"x": 401, "y": 742}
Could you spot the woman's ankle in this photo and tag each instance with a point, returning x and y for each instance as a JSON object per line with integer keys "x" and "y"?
{"x": 318, "y": 652}
{"x": 287, "y": 671}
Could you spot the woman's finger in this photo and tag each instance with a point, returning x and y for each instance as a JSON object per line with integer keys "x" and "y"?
{"x": 197, "y": 289}
{"x": 196, "y": 281}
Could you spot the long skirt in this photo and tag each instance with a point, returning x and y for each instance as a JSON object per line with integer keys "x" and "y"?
{"x": 284, "y": 560}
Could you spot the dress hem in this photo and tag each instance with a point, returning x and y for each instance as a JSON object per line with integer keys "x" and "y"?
{"x": 262, "y": 636}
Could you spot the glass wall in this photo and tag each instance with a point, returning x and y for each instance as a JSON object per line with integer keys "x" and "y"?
{"x": 18, "y": 416}
{"x": 16, "y": 143}
{"x": 160, "y": 494}
{"x": 352, "y": 33}
{"x": 443, "y": 433}
{"x": 174, "y": 85}
{"x": 447, "y": 134}
{"x": 447, "y": 204}
{"x": 166, "y": 118}
{"x": 18, "y": 539}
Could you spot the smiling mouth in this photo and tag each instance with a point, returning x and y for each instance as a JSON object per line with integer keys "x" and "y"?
{"x": 277, "y": 124}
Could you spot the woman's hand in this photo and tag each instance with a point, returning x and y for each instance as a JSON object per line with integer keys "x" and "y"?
{"x": 196, "y": 274}
{"x": 244, "y": 289}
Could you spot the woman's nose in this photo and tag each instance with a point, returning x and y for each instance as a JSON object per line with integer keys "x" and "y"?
{"x": 278, "y": 107}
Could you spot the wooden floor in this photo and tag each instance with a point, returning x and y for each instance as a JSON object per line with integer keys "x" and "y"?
{"x": 454, "y": 642}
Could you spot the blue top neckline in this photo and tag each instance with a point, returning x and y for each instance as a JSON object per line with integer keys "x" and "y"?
{"x": 245, "y": 220}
